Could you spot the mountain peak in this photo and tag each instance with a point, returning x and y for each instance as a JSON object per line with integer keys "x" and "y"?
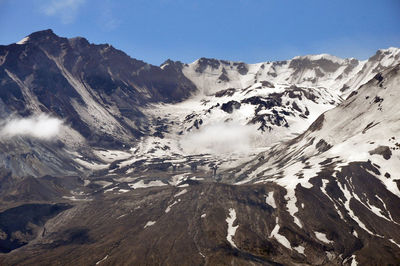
{"x": 38, "y": 35}
{"x": 316, "y": 57}
{"x": 79, "y": 41}
{"x": 390, "y": 49}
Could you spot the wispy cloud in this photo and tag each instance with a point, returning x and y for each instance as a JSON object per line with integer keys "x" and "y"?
{"x": 39, "y": 126}
{"x": 67, "y": 10}
{"x": 108, "y": 20}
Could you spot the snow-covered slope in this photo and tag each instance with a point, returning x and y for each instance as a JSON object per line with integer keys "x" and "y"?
{"x": 363, "y": 127}
{"x": 336, "y": 74}
{"x": 247, "y": 107}
{"x": 349, "y": 159}
{"x": 242, "y": 109}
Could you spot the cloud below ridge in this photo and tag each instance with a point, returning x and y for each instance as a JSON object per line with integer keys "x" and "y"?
{"x": 220, "y": 138}
{"x": 38, "y": 126}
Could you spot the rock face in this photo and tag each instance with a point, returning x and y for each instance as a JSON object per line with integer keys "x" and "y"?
{"x": 31, "y": 217}
{"x": 97, "y": 89}
{"x": 123, "y": 175}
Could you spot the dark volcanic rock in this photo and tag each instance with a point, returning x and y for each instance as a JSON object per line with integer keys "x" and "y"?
{"x": 382, "y": 150}
{"x": 267, "y": 84}
{"x": 227, "y": 92}
{"x": 301, "y": 64}
{"x": 230, "y": 106}
{"x": 322, "y": 146}
{"x": 242, "y": 68}
{"x": 21, "y": 224}
{"x": 203, "y": 63}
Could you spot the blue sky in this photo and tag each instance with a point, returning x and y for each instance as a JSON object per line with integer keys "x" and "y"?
{"x": 241, "y": 30}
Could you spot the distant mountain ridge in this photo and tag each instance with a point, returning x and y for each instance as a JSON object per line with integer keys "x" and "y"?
{"x": 307, "y": 71}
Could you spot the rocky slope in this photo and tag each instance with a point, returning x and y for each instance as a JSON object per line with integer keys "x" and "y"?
{"x": 96, "y": 91}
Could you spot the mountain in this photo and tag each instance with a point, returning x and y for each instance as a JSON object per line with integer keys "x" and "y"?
{"x": 315, "y": 71}
{"x": 96, "y": 90}
{"x": 108, "y": 160}
{"x": 109, "y": 103}
{"x": 249, "y": 109}
{"x": 347, "y": 164}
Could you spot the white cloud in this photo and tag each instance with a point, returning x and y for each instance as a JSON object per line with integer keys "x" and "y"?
{"x": 220, "y": 138}
{"x": 38, "y": 126}
{"x": 67, "y": 10}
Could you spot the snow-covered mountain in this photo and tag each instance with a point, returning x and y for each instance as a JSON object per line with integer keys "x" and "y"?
{"x": 107, "y": 100}
{"x": 348, "y": 161}
{"x": 247, "y": 107}
{"x": 340, "y": 75}
{"x": 213, "y": 162}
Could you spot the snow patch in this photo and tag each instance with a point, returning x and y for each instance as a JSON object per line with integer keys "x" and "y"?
{"x": 323, "y": 189}
{"x": 91, "y": 165}
{"x": 168, "y": 209}
{"x": 141, "y": 184}
{"x": 177, "y": 179}
{"x": 23, "y": 41}
{"x": 180, "y": 193}
{"x": 231, "y": 229}
{"x": 110, "y": 189}
{"x": 103, "y": 183}
{"x": 121, "y": 216}
{"x": 354, "y": 261}
{"x": 149, "y": 223}
{"x": 394, "y": 242}
{"x": 322, "y": 237}
{"x": 73, "y": 198}
{"x": 270, "y": 199}
{"x": 348, "y": 197}
{"x": 103, "y": 259}
{"x": 280, "y": 238}
{"x": 111, "y": 155}
{"x": 299, "y": 249}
